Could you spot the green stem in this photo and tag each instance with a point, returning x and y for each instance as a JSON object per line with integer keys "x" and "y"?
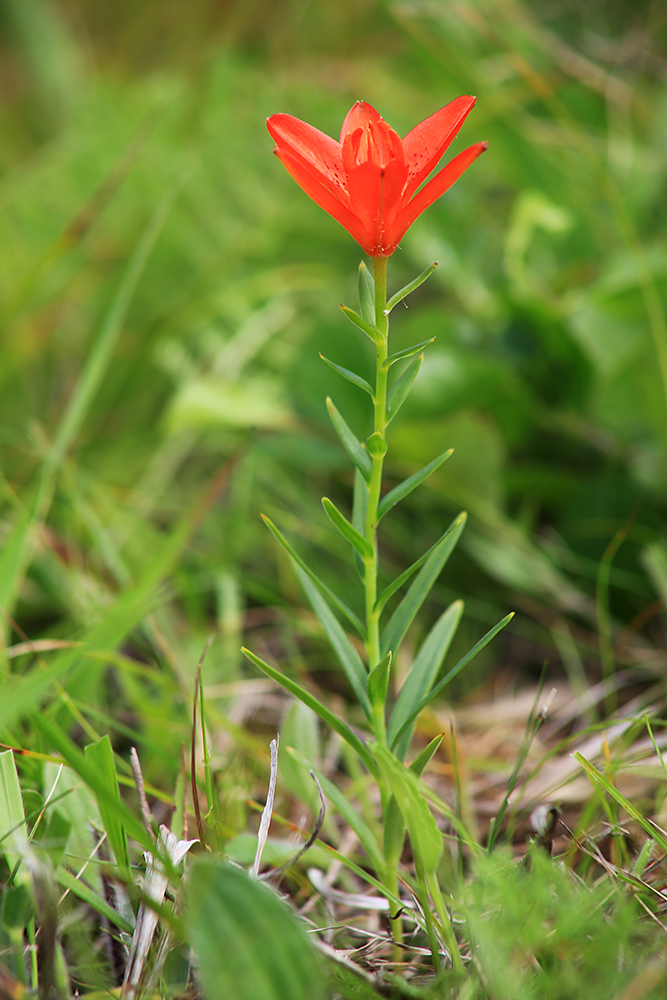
{"x": 377, "y": 457}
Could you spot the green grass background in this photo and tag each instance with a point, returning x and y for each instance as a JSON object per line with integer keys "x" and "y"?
{"x": 548, "y": 375}
{"x": 165, "y": 289}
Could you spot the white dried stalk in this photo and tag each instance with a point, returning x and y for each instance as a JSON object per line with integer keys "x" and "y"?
{"x": 154, "y": 884}
{"x": 268, "y": 809}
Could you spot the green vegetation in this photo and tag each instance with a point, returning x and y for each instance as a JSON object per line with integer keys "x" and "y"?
{"x": 165, "y": 293}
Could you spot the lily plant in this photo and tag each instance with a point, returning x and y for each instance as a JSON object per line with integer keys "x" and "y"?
{"x": 370, "y": 182}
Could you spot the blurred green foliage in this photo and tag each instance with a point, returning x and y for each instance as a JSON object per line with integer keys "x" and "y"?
{"x": 548, "y": 374}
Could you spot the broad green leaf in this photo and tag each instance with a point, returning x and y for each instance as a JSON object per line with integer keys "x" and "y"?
{"x": 410, "y": 287}
{"x": 426, "y": 839}
{"x": 404, "y": 614}
{"x": 100, "y": 758}
{"x": 350, "y": 442}
{"x": 13, "y": 832}
{"x": 399, "y": 391}
{"x": 378, "y": 681}
{"x": 324, "y": 713}
{"x": 463, "y": 662}
{"x": 423, "y": 674}
{"x": 249, "y": 943}
{"x": 357, "y": 380}
{"x": 321, "y": 586}
{"x": 347, "y": 655}
{"x": 353, "y": 819}
{"x": 393, "y": 833}
{"x": 371, "y": 331}
{"x": 403, "y": 489}
{"x": 408, "y": 352}
{"x": 347, "y": 530}
{"x": 366, "y": 294}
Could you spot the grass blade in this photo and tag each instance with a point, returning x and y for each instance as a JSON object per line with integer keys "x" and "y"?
{"x": 100, "y": 757}
{"x": 408, "y": 485}
{"x": 13, "y": 832}
{"x": 605, "y": 784}
{"x": 404, "y": 614}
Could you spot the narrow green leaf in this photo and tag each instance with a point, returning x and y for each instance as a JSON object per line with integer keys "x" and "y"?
{"x": 330, "y": 595}
{"x": 378, "y": 681}
{"x": 84, "y": 892}
{"x": 249, "y": 943}
{"x": 100, "y": 758}
{"x": 394, "y": 825}
{"x": 463, "y": 662}
{"x": 366, "y": 294}
{"x": 17, "y": 549}
{"x": 408, "y": 352}
{"x": 399, "y": 391}
{"x": 410, "y": 287}
{"x": 351, "y": 442}
{"x": 423, "y": 674}
{"x": 353, "y": 819}
{"x": 369, "y": 329}
{"x": 13, "y": 832}
{"x": 347, "y": 655}
{"x": 25, "y": 692}
{"x": 402, "y": 617}
{"x": 426, "y": 839}
{"x": 324, "y": 713}
{"x": 421, "y": 760}
{"x": 350, "y": 376}
{"x": 350, "y": 533}
{"x": 605, "y": 784}
{"x": 407, "y": 486}
{"x": 396, "y": 584}
{"x": 90, "y": 774}
{"x": 359, "y": 511}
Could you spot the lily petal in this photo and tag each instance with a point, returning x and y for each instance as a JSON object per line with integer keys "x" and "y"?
{"x": 440, "y": 183}
{"x": 316, "y": 150}
{"x": 322, "y": 196}
{"x": 425, "y": 145}
{"x": 360, "y": 115}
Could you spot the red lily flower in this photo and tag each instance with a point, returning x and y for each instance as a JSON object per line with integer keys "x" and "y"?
{"x": 368, "y": 180}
